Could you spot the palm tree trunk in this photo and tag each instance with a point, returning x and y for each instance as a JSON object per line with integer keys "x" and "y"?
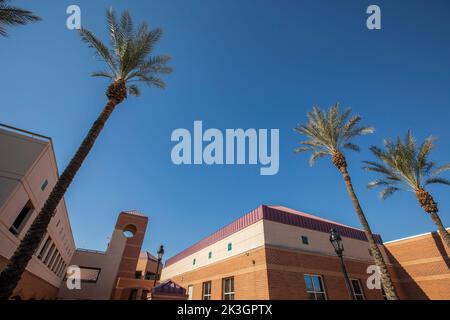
{"x": 430, "y": 206}
{"x": 386, "y": 280}
{"x": 16, "y": 266}
{"x": 442, "y": 231}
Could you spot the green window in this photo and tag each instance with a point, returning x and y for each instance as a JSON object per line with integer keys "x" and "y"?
{"x": 230, "y": 246}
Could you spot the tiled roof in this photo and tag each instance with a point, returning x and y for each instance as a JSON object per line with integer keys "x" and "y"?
{"x": 147, "y": 255}
{"x": 134, "y": 213}
{"x": 169, "y": 288}
{"x": 277, "y": 214}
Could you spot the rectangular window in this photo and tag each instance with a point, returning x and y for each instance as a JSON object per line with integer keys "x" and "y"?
{"x": 49, "y": 254}
{"x": 44, "y": 184}
{"x": 21, "y": 219}
{"x": 44, "y": 248}
{"x": 150, "y": 276}
{"x": 230, "y": 246}
{"x": 206, "y": 292}
{"x": 305, "y": 240}
{"x": 210, "y": 255}
{"x": 190, "y": 292}
{"x": 138, "y": 275}
{"x": 314, "y": 287}
{"x": 90, "y": 275}
{"x": 55, "y": 263}
{"x": 133, "y": 294}
{"x": 358, "y": 292}
{"x": 193, "y": 262}
{"x": 228, "y": 288}
{"x": 58, "y": 268}
{"x": 145, "y": 294}
{"x": 50, "y": 263}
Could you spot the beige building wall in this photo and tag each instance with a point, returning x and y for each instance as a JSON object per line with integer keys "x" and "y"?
{"x": 28, "y": 172}
{"x": 108, "y": 264}
{"x": 289, "y": 237}
{"x": 242, "y": 241}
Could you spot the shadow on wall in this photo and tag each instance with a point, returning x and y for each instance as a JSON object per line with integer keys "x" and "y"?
{"x": 441, "y": 248}
{"x": 409, "y": 290}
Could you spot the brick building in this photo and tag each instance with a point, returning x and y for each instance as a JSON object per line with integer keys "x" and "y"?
{"x": 274, "y": 253}
{"x": 422, "y": 264}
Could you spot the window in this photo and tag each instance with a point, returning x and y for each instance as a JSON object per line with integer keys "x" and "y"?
{"x": 206, "y": 292}
{"x": 228, "y": 289}
{"x": 145, "y": 294}
{"x": 193, "y": 262}
{"x": 21, "y": 219}
{"x": 190, "y": 292}
{"x": 55, "y": 263}
{"x": 358, "y": 292}
{"x": 230, "y": 246}
{"x": 138, "y": 275}
{"x": 89, "y": 274}
{"x": 210, "y": 255}
{"x": 133, "y": 294}
{"x": 305, "y": 240}
{"x": 314, "y": 287}
{"x": 50, "y": 263}
{"x": 44, "y": 248}
{"x": 49, "y": 254}
{"x": 150, "y": 276}
{"x": 58, "y": 268}
{"x": 44, "y": 184}
{"x": 62, "y": 273}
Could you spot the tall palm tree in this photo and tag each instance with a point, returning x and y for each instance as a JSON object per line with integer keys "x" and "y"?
{"x": 130, "y": 61}
{"x": 11, "y": 16}
{"x": 329, "y": 133}
{"x": 406, "y": 166}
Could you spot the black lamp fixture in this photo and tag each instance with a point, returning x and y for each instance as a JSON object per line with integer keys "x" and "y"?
{"x": 336, "y": 241}
{"x": 160, "y": 256}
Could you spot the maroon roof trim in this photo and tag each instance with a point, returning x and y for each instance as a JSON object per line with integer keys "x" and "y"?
{"x": 276, "y": 215}
{"x": 237, "y": 225}
{"x": 280, "y": 216}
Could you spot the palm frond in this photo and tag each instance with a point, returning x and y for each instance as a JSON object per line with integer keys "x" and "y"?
{"x": 12, "y": 16}
{"x": 440, "y": 170}
{"x": 405, "y": 165}
{"x": 331, "y": 130}
{"x": 104, "y": 74}
{"x": 134, "y": 90}
{"x": 437, "y": 181}
{"x": 130, "y": 56}
{"x": 386, "y": 193}
{"x": 316, "y": 156}
{"x": 101, "y": 49}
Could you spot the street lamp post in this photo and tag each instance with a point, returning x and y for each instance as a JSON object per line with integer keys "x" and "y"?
{"x": 338, "y": 246}
{"x": 160, "y": 255}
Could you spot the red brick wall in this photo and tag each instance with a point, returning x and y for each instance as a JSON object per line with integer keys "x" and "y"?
{"x": 286, "y": 270}
{"x": 274, "y": 273}
{"x": 249, "y": 272}
{"x": 423, "y": 266}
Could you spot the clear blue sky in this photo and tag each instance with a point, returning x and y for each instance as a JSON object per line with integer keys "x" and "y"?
{"x": 238, "y": 64}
